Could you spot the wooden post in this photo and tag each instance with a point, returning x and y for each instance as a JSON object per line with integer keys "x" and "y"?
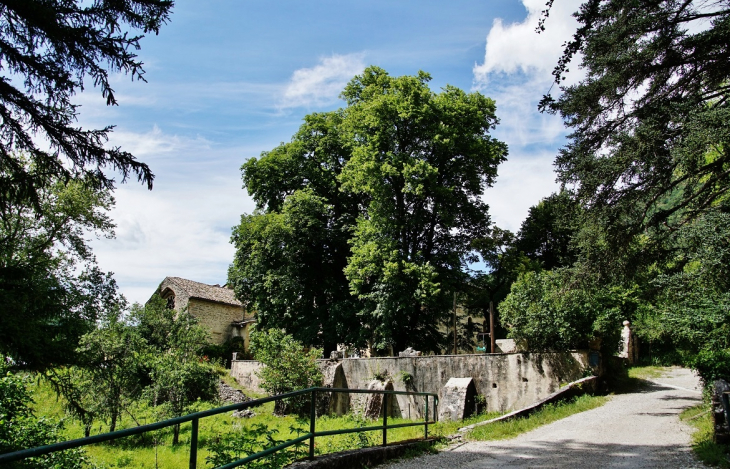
{"x": 456, "y": 350}
{"x": 491, "y": 326}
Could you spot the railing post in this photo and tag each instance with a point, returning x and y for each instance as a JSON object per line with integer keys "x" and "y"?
{"x": 435, "y": 405}
{"x": 425, "y": 420}
{"x": 385, "y": 419}
{"x": 194, "y": 445}
{"x": 312, "y": 419}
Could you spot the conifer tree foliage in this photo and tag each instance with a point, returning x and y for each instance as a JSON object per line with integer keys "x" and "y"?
{"x": 651, "y": 119}
{"x": 49, "y": 50}
{"x": 648, "y": 168}
{"x": 366, "y": 218}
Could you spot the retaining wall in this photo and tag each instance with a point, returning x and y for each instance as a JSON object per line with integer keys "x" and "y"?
{"x": 508, "y": 381}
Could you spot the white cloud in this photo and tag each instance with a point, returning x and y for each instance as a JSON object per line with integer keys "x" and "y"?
{"x": 517, "y": 47}
{"x": 516, "y": 72}
{"x": 523, "y": 181}
{"x": 182, "y": 227}
{"x": 520, "y": 122}
{"x": 157, "y": 143}
{"x": 322, "y": 84}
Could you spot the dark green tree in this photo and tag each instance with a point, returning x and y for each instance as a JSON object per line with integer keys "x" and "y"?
{"x": 50, "y": 49}
{"x": 291, "y": 253}
{"x": 546, "y": 235}
{"x": 422, "y": 160}
{"x": 51, "y": 291}
{"x": 504, "y": 263}
{"x": 648, "y": 163}
{"x": 651, "y": 119}
{"x": 387, "y": 191}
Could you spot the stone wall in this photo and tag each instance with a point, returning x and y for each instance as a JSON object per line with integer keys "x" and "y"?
{"x": 508, "y": 381}
{"x": 215, "y": 317}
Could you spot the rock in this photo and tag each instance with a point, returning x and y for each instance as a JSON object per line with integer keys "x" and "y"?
{"x": 409, "y": 352}
{"x": 722, "y": 426}
{"x": 505, "y": 345}
{"x": 231, "y": 395}
{"x": 456, "y": 401}
{"x": 333, "y": 376}
{"x": 374, "y": 402}
{"x": 244, "y": 414}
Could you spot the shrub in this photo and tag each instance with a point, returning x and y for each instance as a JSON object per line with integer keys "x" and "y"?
{"x": 20, "y": 429}
{"x": 287, "y": 367}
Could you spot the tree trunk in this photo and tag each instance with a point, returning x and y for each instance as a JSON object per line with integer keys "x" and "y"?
{"x": 113, "y": 425}
{"x": 175, "y": 434}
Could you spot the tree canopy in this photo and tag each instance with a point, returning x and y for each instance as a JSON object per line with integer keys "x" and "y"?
{"x": 49, "y": 50}
{"x": 647, "y": 168}
{"x": 51, "y": 290}
{"x": 651, "y": 119}
{"x": 365, "y": 220}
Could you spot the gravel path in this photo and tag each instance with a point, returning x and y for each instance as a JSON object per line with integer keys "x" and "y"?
{"x": 636, "y": 430}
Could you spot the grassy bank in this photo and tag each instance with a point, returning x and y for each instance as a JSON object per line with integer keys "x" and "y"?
{"x": 548, "y": 414}
{"x": 155, "y": 449}
{"x": 709, "y": 452}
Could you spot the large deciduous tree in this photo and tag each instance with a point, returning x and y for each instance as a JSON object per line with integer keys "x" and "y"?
{"x": 365, "y": 219}
{"x": 291, "y": 253}
{"x": 49, "y": 50}
{"x": 422, "y": 159}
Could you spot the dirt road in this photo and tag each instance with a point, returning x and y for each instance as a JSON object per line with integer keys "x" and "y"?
{"x": 636, "y": 430}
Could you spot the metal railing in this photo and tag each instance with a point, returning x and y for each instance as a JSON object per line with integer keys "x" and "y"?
{"x": 195, "y": 418}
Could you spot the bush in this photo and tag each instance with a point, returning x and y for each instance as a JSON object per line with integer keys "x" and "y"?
{"x": 20, "y": 429}
{"x": 540, "y": 311}
{"x": 712, "y": 365}
{"x": 287, "y": 367}
{"x": 223, "y": 353}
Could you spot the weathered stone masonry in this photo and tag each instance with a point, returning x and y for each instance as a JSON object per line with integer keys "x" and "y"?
{"x": 508, "y": 381}
{"x": 215, "y": 307}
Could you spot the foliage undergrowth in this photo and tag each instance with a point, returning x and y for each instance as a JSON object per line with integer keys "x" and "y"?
{"x": 548, "y": 414}
{"x": 703, "y": 445}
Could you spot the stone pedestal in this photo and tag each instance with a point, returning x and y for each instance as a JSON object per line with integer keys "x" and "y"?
{"x": 374, "y": 403}
{"x": 719, "y": 413}
{"x": 629, "y": 346}
{"x": 456, "y": 400}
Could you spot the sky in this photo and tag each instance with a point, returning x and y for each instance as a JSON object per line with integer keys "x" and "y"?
{"x": 228, "y": 79}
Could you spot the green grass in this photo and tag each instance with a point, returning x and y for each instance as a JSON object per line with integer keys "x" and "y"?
{"x": 155, "y": 449}
{"x": 704, "y": 448}
{"x": 647, "y": 372}
{"x": 548, "y": 414}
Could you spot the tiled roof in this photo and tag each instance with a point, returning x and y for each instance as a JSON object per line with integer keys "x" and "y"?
{"x": 203, "y": 291}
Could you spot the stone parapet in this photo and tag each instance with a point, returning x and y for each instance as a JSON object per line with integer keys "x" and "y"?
{"x": 507, "y": 381}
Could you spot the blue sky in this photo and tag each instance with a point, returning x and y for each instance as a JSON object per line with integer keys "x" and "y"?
{"x": 228, "y": 79}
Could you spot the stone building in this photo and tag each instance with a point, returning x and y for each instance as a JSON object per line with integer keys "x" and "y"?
{"x": 215, "y": 307}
